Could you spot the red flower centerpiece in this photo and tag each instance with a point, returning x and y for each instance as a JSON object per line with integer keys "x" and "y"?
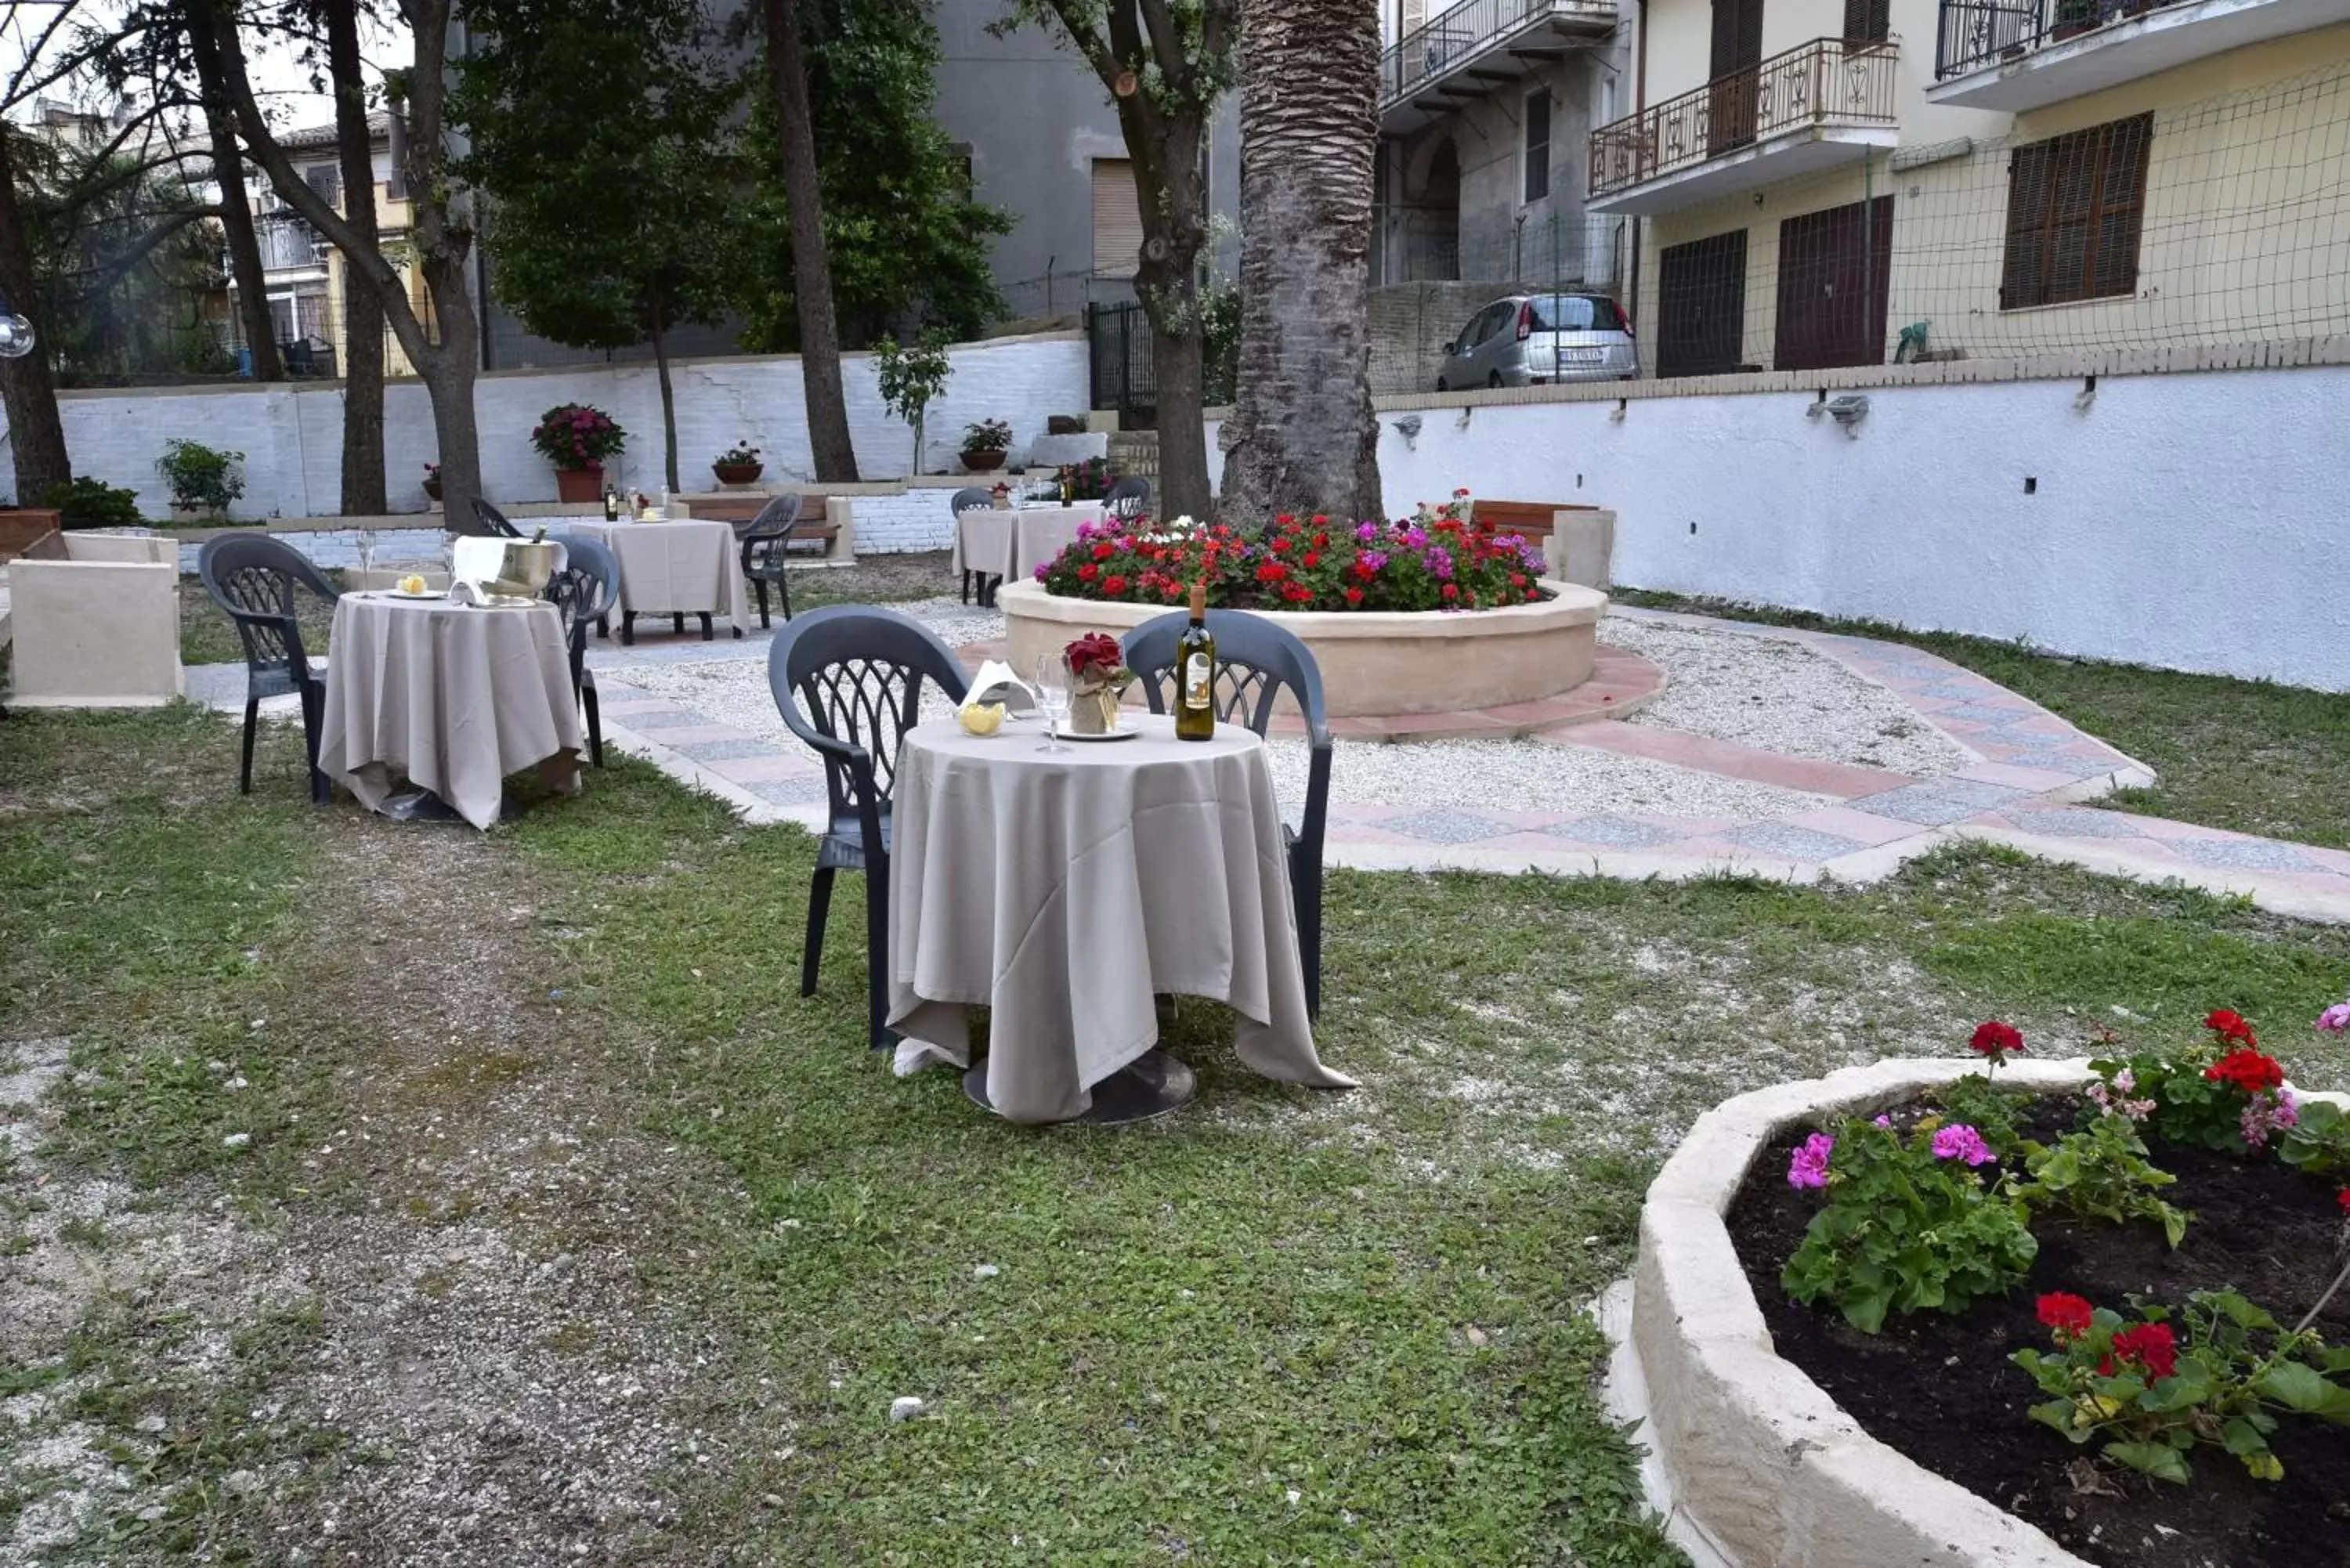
{"x": 1097, "y": 674}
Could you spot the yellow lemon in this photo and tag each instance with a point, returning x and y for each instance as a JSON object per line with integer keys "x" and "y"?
{"x": 982, "y": 718}
{"x": 411, "y": 584}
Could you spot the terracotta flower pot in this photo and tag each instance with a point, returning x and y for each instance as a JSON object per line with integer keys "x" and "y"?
{"x": 579, "y": 483}
{"x": 983, "y": 461}
{"x": 738, "y": 472}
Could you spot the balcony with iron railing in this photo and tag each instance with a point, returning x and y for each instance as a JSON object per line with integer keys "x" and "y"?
{"x": 2016, "y": 55}
{"x": 1818, "y": 105}
{"x": 1473, "y": 48}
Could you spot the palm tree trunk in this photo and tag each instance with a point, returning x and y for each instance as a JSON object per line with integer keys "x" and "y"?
{"x": 1303, "y": 436}
{"x": 827, "y": 404}
{"x": 235, "y": 215}
{"x": 363, "y": 480}
{"x": 37, "y": 434}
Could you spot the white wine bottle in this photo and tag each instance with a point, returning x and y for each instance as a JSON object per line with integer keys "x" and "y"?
{"x": 1195, "y": 673}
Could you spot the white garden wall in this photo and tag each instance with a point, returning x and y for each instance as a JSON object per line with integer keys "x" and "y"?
{"x": 292, "y": 438}
{"x": 2193, "y": 521}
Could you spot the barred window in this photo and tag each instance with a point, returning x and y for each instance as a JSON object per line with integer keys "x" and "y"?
{"x": 2075, "y": 206}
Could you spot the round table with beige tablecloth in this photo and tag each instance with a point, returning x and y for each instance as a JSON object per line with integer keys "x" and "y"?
{"x": 451, "y": 697}
{"x": 689, "y": 567}
{"x": 1064, "y": 890}
{"x": 1010, "y": 542}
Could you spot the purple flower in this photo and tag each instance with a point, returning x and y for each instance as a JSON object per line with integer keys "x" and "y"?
{"x": 2335, "y": 1019}
{"x": 1886, "y": 1122}
{"x": 1808, "y": 1167}
{"x": 2261, "y": 1118}
{"x": 1084, "y": 531}
{"x": 1959, "y": 1141}
{"x": 1439, "y": 561}
{"x": 1415, "y": 538}
{"x": 1366, "y": 531}
{"x": 1041, "y": 569}
{"x": 1374, "y": 559}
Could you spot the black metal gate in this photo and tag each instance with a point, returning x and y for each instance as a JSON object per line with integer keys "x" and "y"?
{"x": 1123, "y": 375}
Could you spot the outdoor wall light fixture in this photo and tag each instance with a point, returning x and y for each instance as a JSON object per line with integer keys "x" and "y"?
{"x": 1847, "y": 412}
{"x": 15, "y": 332}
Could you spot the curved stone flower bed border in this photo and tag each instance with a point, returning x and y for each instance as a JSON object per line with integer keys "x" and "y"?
{"x": 1374, "y": 662}
{"x": 1760, "y": 1463}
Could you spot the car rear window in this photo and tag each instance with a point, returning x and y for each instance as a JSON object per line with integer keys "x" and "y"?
{"x": 1575, "y": 313}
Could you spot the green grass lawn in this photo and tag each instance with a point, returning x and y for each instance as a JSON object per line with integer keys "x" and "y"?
{"x": 1282, "y": 1326}
{"x": 2248, "y": 755}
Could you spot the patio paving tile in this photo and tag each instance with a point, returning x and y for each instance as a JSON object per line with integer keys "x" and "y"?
{"x": 2060, "y": 824}
{"x": 1937, "y": 803}
{"x": 762, "y": 767}
{"x": 1447, "y": 824}
{"x": 1613, "y": 832}
{"x": 1795, "y": 842}
{"x": 720, "y": 749}
{"x": 1730, "y": 759}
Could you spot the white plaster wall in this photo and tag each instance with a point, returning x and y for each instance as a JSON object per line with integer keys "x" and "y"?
{"x": 292, "y": 439}
{"x": 2187, "y": 520}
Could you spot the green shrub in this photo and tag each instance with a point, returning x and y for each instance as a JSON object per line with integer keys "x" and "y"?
{"x": 89, "y": 503}
{"x": 199, "y": 476}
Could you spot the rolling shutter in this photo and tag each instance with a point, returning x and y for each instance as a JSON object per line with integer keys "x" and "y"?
{"x": 1117, "y": 218}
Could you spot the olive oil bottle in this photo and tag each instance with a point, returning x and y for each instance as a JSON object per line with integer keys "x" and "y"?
{"x": 1195, "y": 673}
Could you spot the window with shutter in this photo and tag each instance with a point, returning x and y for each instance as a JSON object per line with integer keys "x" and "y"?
{"x": 1867, "y": 21}
{"x": 1537, "y": 145}
{"x": 2076, "y": 205}
{"x": 325, "y": 182}
{"x": 1117, "y": 218}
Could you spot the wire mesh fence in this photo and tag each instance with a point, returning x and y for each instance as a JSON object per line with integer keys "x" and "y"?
{"x": 2224, "y": 222}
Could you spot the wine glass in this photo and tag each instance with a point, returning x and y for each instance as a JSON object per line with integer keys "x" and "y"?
{"x": 367, "y": 558}
{"x": 1053, "y": 699}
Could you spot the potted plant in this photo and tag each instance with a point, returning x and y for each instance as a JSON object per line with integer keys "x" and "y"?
{"x": 203, "y": 481}
{"x": 984, "y": 446}
{"x": 738, "y": 464}
{"x": 576, "y": 439}
{"x": 910, "y": 380}
{"x": 433, "y": 481}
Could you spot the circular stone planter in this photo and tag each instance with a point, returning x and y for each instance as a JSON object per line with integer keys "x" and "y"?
{"x": 1374, "y": 662}
{"x": 1757, "y": 1460}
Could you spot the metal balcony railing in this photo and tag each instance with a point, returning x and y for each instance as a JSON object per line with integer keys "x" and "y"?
{"x": 1455, "y": 35}
{"x": 1828, "y": 81}
{"x": 1974, "y": 33}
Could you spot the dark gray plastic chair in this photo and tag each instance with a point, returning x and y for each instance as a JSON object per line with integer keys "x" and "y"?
{"x": 1254, "y": 660}
{"x": 493, "y": 522}
{"x": 847, "y": 679}
{"x": 253, "y": 577}
{"x": 766, "y": 542}
{"x": 1128, "y": 499}
{"x": 584, "y": 592}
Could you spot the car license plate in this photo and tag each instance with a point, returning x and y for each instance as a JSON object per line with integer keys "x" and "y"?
{"x": 1581, "y": 356}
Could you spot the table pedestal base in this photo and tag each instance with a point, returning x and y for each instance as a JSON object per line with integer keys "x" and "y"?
{"x": 1150, "y": 1086}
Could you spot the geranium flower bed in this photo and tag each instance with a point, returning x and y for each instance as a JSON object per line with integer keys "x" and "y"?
{"x": 1438, "y": 559}
{"x": 2086, "y": 1309}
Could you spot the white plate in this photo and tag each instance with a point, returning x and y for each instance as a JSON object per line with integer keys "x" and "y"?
{"x": 404, "y": 594}
{"x": 1123, "y": 733}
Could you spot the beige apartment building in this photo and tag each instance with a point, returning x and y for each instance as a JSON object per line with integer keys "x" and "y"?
{"x": 1816, "y": 183}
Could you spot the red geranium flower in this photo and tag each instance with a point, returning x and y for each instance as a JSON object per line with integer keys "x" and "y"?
{"x": 2343, "y": 1198}
{"x": 1272, "y": 572}
{"x": 1995, "y": 1040}
{"x": 1355, "y": 596}
{"x": 1451, "y": 591}
{"x": 2067, "y": 1313}
{"x": 1105, "y": 550}
{"x": 1364, "y": 570}
{"x": 2151, "y": 1344}
{"x": 1311, "y": 559}
{"x": 1089, "y": 572}
{"x": 2247, "y": 1070}
{"x": 2229, "y": 1025}
{"x": 1113, "y": 585}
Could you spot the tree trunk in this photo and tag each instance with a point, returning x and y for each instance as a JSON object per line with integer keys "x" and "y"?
{"x": 1179, "y": 366}
{"x": 827, "y": 404}
{"x": 362, "y": 367}
{"x": 669, "y": 400}
{"x": 1303, "y": 437}
{"x": 36, "y": 434}
{"x": 1167, "y": 282}
{"x": 236, "y": 215}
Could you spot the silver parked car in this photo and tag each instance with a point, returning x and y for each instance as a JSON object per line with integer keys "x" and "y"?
{"x": 1530, "y": 340}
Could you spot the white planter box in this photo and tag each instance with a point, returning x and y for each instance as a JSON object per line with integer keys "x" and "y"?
{"x": 96, "y": 621}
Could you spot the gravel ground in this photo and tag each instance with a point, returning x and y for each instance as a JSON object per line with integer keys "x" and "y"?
{"x": 1781, "y": 697}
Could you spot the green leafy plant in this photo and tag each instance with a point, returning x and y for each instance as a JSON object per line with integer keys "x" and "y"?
{"x": 2102, "y": 1173}
{"x": 87, "y": 503}
{"x": 1911, "y": 1224}
{"x": 1984, "y": 1106}
{"x": 911, "y": 378}
{"x": 742, "y": 454}
{"x": 2153, "y": 1399}
{"x": 987, "y": 435}
{"x": 199, "y": 476}
{"x": 573, "y": 435}
{"x": 2319, "y": 1143}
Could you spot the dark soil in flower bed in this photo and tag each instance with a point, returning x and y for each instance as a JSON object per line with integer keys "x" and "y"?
{"x": 1942, "y": 1390}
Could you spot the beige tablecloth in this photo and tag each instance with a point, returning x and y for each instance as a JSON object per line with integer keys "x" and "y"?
{"x": 1011, "y": 544}
{"x": 1061, "y": 890}
{"x": 448, "y": 697}
{"x": 691, "y": 566}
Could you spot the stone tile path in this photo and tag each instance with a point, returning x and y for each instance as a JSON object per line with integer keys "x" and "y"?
{"x": 2030, "y": 770}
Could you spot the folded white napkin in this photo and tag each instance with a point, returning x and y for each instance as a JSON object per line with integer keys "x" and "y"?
{"x": 478, "y": 559}
{"x": 996, "y": 683}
